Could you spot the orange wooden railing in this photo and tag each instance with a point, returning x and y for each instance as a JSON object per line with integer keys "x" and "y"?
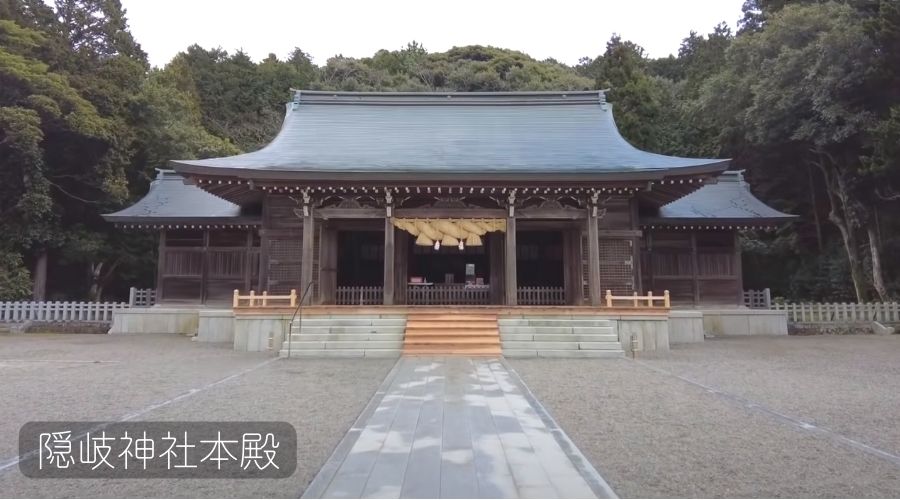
{"x": 638, "y": 301}
{"x": 263, "y": 300}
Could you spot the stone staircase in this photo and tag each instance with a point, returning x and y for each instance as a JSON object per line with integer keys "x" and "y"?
{"x": 446, "y": 333}
{"x": 573, "y": 336}
{"x": 346, "y": 336}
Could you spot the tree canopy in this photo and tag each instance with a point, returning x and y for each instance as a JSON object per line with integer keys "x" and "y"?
{"x": 804, "y": 96}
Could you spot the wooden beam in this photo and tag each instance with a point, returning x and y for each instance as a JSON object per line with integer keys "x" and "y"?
{"x": 388, "y": 262}
{"x": 349, "y": 213}
{"x": 306, "y": 262}
{"x": 620, "y": 233}
{"x": 593, "y": 237}
{"x": 551, "y": 213}
{"x": 449, "y": 213}
{"x": 511, "y": 285}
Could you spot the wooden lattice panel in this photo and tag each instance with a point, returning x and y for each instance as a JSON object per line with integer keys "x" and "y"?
{"x": 616, "y": 266}
{"x": 285, "y": 257}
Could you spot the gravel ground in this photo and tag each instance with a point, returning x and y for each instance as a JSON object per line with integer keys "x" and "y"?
{"x": 651, "y": 434}
{"x": 56, "y": 377}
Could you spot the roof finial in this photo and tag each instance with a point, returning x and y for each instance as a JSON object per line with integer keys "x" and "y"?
{"x": 601, "y": 94}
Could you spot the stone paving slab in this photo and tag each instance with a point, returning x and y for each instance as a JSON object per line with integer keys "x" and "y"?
{"x": 454, "y": 427}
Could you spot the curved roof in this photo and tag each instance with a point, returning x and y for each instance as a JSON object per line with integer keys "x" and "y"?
{"x": 552, "y": 133}
{"x": 171, "y": 201}
{"x": 727, "y": 202}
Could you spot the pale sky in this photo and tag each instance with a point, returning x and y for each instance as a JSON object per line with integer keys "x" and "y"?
{"x": 563, "y": 29}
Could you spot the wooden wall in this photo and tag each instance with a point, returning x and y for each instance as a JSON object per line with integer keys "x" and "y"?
{"x": 697, "y": 267}
{"x": 197, "y": 265}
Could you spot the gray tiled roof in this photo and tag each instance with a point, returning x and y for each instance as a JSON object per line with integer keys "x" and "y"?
{"x": 171, "y": 200}
{"x": 534, "y": 133}
{"x": 728, "y": 200}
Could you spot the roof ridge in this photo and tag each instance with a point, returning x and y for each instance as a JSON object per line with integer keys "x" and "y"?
{"x": 443, "y": 98}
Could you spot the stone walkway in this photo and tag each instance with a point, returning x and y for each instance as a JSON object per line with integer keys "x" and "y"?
{"x": 456, "y": 428}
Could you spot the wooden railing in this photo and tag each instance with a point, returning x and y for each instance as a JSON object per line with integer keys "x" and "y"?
{"x": 359, "y": 295}
{"x": 102, "y": 312}
{"x": 885, "y": 312}
{"x": 638, "y": 301}
{"x": 263, "y": 300}
{"x": 448, "y": 295}
{"x": 758, "y": 299}
{"x": 540, "y": 296}
{"x": 141, "y": 297}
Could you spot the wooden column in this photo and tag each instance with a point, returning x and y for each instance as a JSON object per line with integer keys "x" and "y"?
{"x": 160, "y": 265}
{"x": 388, "y": 262}
{"x": 593, "y": 236}
{"x": 401, "y": 266}
{"x": 511, "y": 285}
{"x": 738, "y": 268}
{"x": 495, "y": 250}
{"x": 572, "y": 263}
{"x": 204, "y": 268}
{"x": 306, "y": 263}
{"x": 695, "y": 264}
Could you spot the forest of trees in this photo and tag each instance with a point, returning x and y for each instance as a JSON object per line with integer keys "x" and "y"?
{"x": 803, "y": 95}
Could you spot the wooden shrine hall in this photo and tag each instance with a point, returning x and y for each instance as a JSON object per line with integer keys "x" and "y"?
{"x": 514, "y": 198}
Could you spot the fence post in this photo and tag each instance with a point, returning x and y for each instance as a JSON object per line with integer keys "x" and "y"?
{"x": 609, "y": 298}
{"x": 132, "y": 296}
{"x": 666, "y": 300}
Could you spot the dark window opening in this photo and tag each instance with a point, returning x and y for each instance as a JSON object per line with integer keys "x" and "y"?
{"x": 539, "y": 258}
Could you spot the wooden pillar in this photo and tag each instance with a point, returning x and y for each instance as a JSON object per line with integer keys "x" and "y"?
{"x": 572, "y": 263}
{"x": 495, "y": 254}
{"x": 388, "y": 262}
{"x": 695, "y": 261}
{"x": 593, "y": 236}
{"x": 307, "y": 257}
{"x": 738, "y": 269}
{"x": 327, "y": 263}
{"x": 204, "y": 268}
{"x": 401, "y": 266}
{"x": 248, "y": 259}
{"x": 160, "y": 265}
{"x": 511, "y": 285}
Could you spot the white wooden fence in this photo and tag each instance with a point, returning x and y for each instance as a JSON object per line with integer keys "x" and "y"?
{"x": 15, "y": 312}
{"x": 884, "y": 312}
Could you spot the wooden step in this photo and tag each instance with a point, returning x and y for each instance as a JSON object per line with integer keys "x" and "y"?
{"x": 435, "y": 340}
{"x": 426, "y": 325}
{"x": 453, "y": 331}
{"x": 451, "y": 317}
{"x": 447, "y": 334}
